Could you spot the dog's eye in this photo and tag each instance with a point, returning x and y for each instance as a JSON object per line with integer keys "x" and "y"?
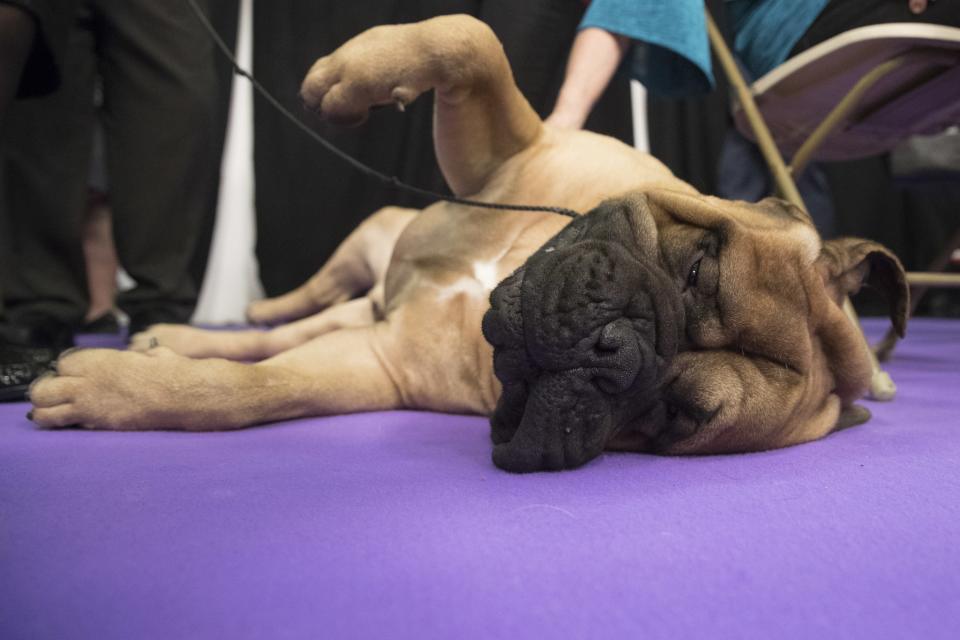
{"x": 694, "y": 273}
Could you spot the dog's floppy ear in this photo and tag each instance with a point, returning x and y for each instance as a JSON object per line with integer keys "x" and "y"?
{"x": 846, "y": 264}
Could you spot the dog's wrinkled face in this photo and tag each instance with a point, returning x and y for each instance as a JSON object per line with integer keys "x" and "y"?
{"x": 582, "y": 336}
{"x": 680, "y": 323}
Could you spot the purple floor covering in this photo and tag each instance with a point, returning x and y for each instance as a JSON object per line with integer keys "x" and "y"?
{"x": 396, "y": 525}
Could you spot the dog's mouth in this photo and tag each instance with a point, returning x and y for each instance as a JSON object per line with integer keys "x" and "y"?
{"x": 582, "y": 334}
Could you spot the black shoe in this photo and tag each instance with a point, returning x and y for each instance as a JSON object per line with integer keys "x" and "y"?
{"x": 142, "y": 318}
{"x": 28, "y": 348}
{"x": 19, "y": 367}
{"x": 108, "y": 323}
{"x": 38, "y": 331}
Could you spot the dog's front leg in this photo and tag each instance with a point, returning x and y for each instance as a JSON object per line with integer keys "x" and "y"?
{"x": 481, "y": 118}
{"x": 340, "y": 372}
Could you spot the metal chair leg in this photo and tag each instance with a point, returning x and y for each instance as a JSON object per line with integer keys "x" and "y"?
{"x": 881, "y": 385}
{"x": 781, "y": 174}
{"x": 920, "y": 283}
{"x": 836, "y": 116}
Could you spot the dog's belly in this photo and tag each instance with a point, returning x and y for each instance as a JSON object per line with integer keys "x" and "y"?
{"x": 443, "y": 268}
{"x": 450, "y": 249}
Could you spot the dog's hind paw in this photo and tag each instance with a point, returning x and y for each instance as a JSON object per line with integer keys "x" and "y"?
{"x": 378, "y": 67}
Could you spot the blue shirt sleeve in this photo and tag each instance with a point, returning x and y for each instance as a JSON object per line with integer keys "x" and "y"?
{"x": 766, "y": 31}
{"x": 670, "y": 53}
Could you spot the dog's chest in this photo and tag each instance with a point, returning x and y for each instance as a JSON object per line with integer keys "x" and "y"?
{"x": 453, "y": 253}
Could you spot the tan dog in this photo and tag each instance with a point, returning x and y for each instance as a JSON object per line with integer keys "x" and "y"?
{"x": 761, "y": 356}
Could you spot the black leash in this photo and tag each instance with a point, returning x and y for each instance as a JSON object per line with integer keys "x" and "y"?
{"x": 392, "y": 181}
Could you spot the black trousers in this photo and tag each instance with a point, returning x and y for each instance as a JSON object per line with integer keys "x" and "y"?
{"x": 159, "y": 119}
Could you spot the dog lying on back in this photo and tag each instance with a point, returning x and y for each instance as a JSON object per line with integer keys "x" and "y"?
{"x": 663, "y": 320}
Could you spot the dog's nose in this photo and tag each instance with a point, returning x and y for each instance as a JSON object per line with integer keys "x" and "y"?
{"x": 619, "y": 349}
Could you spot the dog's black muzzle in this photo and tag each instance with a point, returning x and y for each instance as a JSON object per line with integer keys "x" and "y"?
{"x": 582, "y": 334}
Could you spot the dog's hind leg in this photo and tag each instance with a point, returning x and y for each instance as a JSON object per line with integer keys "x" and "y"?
{"x": 340, "y": 372}
{"x": 481, "y": 118}
{"x": 255, "y": 344}
{"x": 358, "y": 264}
{"x": 324, "y": 303}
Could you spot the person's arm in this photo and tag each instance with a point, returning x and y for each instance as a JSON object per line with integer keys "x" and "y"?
{"x": 594, "y": 58}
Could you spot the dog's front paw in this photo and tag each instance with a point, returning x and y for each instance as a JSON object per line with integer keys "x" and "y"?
{"x": 130, "y": 391}
{"x": 95, "y": 389}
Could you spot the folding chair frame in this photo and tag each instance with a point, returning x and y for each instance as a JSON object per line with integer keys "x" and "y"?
{"x": 882, "y": 386}
{"x": 784, "y": 176}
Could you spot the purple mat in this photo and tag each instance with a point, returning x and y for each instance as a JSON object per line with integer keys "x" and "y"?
{"x": 396, "y": 525}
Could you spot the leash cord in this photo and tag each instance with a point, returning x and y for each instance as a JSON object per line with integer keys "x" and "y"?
{"x": 392, "y": 181}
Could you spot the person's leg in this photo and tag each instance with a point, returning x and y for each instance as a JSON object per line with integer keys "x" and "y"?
{"x": 44, "y": 146}
{"x": 159, "y": 113}
{"x": 17, "y": 31}
{"x": 44, "y": 150}
{"x": 818, "y": 196}
{"x": 98, "y": 247}
{"x": 101, "y": 260}
{"x": 743, "y": 175}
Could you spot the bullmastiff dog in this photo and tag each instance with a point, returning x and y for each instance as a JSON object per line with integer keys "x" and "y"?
{"x": 662, "y": 320}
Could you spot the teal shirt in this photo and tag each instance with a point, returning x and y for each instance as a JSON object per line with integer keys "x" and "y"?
{"x": 671, "y": 53}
